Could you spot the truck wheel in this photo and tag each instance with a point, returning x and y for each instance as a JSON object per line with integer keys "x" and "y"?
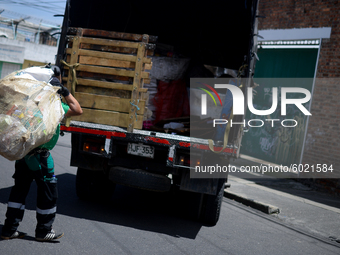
{"x": 92, "y": 185}
{"x": 211, "y": 209}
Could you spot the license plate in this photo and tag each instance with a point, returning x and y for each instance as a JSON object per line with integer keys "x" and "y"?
{"x": 141, "y": 150}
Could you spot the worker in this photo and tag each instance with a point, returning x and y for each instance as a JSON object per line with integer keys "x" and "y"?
{"x": 38, "y": 165}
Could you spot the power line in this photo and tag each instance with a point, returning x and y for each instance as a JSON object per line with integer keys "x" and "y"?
{"x": 43, "y": 6}
{"x": 30, "y": 2}
{"x": 47, "y": 4}
{"x": 20, "y": 15}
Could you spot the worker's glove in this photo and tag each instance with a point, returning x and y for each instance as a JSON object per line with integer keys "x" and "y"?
{"x": 63, "y": 91}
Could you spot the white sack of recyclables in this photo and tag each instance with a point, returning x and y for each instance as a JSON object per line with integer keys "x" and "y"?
{"x": 30, "y": 111}
{"x": 39, "y": 73}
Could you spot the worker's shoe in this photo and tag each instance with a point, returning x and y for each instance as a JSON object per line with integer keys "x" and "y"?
{"x": 16, "y": 234}
{"x": 50, "y": 236}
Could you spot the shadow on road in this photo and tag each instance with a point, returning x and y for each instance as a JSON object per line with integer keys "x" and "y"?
{"x": 145, "y": 210}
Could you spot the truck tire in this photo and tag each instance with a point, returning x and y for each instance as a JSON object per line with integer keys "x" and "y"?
{"x": 93, "y": 185}
{"x": 211, "y": 208}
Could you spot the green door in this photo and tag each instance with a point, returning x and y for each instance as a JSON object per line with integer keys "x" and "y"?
{"x": 279, "y": 68}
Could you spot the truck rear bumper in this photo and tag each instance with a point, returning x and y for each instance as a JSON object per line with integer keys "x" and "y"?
{"x": 140, "y": 179}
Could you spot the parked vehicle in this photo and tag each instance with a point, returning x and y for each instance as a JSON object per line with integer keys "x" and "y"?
{"x": 109, "y": 45}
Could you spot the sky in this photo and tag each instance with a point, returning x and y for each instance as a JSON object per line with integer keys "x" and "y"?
{"x": 37, "y": 9}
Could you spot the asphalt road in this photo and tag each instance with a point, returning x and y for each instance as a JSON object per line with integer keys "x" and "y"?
{"x": 142, "y": 222}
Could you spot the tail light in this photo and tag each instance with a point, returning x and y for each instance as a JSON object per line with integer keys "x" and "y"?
{"x": 188, "y": 160}
{"x": 94, "y": 145}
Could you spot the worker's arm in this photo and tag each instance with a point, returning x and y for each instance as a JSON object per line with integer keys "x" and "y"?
{"x": 75, "y": 108}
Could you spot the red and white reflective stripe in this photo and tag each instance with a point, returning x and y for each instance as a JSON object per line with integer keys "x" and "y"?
{"x": 157, "y": 140}
{"x": 108, "y": 134}
{"x": 171, "y": 153}
{"x": 16, "y": 205}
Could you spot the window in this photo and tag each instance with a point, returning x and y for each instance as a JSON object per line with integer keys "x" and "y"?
{"x": 8, "y": 68}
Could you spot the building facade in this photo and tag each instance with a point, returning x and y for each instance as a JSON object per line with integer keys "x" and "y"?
{"x": 303, "y": 20}
{"x": 15, "y": 55}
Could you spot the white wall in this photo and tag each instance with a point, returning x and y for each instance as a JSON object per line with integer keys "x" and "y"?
{"x": 295, "y": 34}
{"x": 34, "y": 52}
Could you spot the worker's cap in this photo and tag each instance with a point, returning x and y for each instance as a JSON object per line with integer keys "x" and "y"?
{"x": 55, "y": 69}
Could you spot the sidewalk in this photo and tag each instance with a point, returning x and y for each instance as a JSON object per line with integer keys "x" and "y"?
{"x": 288, "y": 200}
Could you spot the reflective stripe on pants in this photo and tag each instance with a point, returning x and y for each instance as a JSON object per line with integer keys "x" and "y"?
{"x": 16, "y": 205}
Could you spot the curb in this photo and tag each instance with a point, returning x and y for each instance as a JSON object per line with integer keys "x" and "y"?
{"x": 266, "y": 208}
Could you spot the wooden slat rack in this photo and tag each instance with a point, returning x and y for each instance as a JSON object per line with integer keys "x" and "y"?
{"x": 110, "y": 73}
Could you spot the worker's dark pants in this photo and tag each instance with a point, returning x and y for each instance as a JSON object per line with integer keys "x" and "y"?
{"x": 46, "y": 198}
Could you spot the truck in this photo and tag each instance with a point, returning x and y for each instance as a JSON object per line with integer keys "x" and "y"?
{"x": 105, "y": 51}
